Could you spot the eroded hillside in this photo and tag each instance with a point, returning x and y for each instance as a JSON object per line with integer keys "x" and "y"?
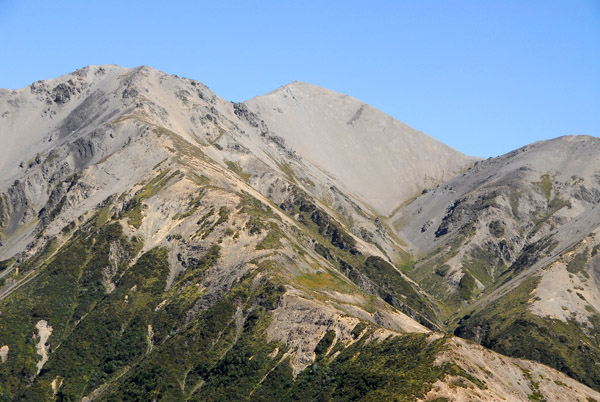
{"x": 160, "y": 243}
{"x": 510, "y": 249}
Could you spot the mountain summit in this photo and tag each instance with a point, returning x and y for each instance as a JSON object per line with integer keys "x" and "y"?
{"x": 160, "y": 243}
{"x": 381, "y": 160}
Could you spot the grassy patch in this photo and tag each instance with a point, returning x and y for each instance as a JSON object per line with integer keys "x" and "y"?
{"x": 577, "y": 264}
{"x": 483, "y": 264}
{"x": 466, "y": 286}
{"x": 324, "y": 280}
{"x": 154, "y": 185}
{"x": 133, "y": 209}
{"x": 208, "y": 224}
{"x": 237, "y": 169}
{"x": 200, "y": 180}
{"x": 514, "y": 203}
{"x": 544, "y": 186}
{"x": 307, "y": 182}
{"x": 271, "y": 240}
{"x": 193, "y": 206}
{"x": 287, "y": 170}
{"x": 496, "y": 229}
{"x": 405, "y": 261}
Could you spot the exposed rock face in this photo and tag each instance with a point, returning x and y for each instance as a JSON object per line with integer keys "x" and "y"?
{"x": 159, "y": 242}
{"x": 4, "y": 353}
{"x": 44, "y": 331}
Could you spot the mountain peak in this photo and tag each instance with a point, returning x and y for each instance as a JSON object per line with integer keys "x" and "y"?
{"x": 378, "y": 158}
{"x": 298, "y": 90}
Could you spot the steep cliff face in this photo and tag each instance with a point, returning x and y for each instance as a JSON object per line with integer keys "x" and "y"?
{"x": 159, "y": 242}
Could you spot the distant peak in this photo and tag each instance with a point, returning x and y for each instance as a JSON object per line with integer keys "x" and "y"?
{"x": 295, "y": 85}
{"x": 299, "y": 90}
{"x": 305, "y": 86}
{"x": 87, "y": 73}
{"x": 299, "y": 84}
{"x": 565, "y": 140}
{"x": 100, "y": 69}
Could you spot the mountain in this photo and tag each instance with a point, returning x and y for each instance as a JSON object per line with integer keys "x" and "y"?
{"x": 380, "y": 160}
{"x": 511, "y": 249}
{"x": 161, "y": 243}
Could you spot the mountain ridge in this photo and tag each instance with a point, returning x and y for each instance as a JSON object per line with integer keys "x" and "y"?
{"x": 197, "y": 244}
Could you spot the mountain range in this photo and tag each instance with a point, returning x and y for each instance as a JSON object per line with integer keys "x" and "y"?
{"x": 160, "y": 243}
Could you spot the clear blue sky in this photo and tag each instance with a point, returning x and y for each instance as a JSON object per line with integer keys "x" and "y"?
{"x": 484, "y": 76}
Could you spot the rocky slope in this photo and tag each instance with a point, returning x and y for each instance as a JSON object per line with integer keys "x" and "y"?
{"x": 160, "y": 243}
{"x": 372, "y": 156}
{"x": 510, "y": 249}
